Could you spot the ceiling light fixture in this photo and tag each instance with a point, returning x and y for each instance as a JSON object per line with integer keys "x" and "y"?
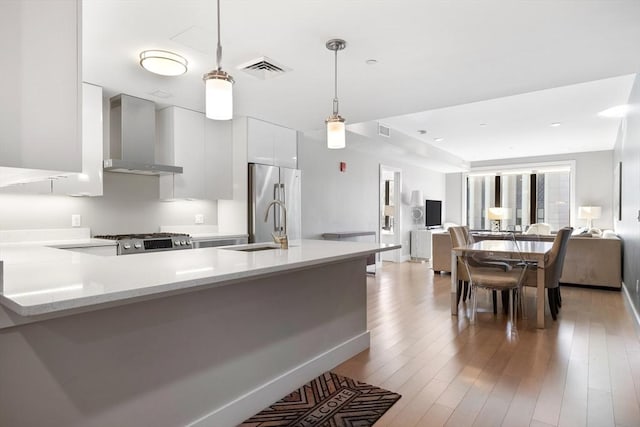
{"x": 617, "y": 112}
{"x": 438, "y": 139}
{"x": 336, "y": 133}
{"x": 218, "y": 87}
{"x": 555, "y": 124}
{"x": 371, "y": 61}
{"x": 163, "y": 62}
{"x": 422, "y": 131}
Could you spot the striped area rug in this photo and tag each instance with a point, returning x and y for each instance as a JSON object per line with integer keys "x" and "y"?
{"x": 330, "y": 400}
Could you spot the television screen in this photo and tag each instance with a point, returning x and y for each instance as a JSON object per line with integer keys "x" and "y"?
{"x": 433, "y": 213}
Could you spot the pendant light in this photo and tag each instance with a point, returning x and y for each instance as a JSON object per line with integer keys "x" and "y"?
{"x": 335, "y": 124}
{"x": 218, "y": 88}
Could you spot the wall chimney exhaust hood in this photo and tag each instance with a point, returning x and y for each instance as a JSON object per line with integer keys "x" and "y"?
{"x": 132, "y": 138}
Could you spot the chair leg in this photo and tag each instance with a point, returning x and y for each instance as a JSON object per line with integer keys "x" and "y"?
{"x": 505, "y": 301}
{"x": 551, "y": 295}
{"x": 458, "y": 293}
{"x": 523, "y": 297}
{"x": 466, "y": 291}
{"x": 474, "y": 303}
{"x": 494, "y": 296}
{"x": 559, "y": 296}
{"x": 512, "y": 301}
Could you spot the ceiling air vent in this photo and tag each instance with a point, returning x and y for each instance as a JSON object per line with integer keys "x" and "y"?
{"x": 384, "y": 130}
{"x": 263, "y": 68}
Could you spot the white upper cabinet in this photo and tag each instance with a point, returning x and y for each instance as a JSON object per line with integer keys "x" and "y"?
{"x": 271, "y": 144}
{"x": 40, "y": 87}
{"x": 202, "y": 147}
{"x": 89, "y": 181}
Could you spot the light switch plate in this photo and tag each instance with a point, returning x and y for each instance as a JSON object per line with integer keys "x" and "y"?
{"x": 76, "y": 220}
{"x": 199, "y": 219}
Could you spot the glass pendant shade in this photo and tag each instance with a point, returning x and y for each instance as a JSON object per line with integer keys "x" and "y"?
{"x": 336, "y": 133}
{"x": 219, "y": 99}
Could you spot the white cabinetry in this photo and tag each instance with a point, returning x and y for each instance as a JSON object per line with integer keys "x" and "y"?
{"x": 271, "y": 144}
{"x": 202, "y": 147}
{"x": 89, "y": 182}
{"x": 421, "y": 244}
{"x": 40, "y": 86}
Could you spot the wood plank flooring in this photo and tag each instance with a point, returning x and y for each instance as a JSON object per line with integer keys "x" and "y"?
{"x": 583, "y": 370}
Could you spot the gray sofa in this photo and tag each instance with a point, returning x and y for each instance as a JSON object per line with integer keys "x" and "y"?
{"x": 591, "y": 261}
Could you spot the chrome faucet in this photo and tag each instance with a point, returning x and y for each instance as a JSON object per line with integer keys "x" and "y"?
{"x": 279, "y": 238}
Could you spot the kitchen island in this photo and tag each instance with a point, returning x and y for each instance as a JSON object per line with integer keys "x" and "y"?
{"x": 198, "y": 337}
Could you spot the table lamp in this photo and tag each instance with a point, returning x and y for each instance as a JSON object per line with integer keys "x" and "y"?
{"x": 496, "y": 215}
{"x": 589, "y": 213}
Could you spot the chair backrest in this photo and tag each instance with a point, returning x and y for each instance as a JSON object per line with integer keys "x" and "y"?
{"x": 555, "y": 262}
{"x": 458, "y": 237}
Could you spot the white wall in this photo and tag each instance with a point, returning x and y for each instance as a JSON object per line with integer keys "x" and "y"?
{"x": 593, "y": 181}
{"x": 348, "y": 201}
{"x": 130, "y": 205}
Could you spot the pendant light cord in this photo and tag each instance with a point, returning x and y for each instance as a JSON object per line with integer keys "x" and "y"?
{"x": 219, "y": 49}
{"x": 335, "y": 88}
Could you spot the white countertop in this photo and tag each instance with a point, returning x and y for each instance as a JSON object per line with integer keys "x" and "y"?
{"x": 41, "y": 280}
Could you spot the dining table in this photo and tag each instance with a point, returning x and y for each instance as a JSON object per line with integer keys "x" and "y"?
{"x": 532, "y": 251}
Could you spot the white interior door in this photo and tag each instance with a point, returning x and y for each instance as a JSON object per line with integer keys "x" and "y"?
{"x": 390, "y": 211}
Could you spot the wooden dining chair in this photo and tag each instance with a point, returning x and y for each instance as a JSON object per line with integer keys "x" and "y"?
{"x": 554, "y": 262}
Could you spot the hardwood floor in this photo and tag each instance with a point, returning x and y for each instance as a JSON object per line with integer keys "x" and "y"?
{"x": 584, "y": 369}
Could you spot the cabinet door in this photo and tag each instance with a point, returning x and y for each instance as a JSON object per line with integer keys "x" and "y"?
{"x": 260, "y": 140}
{"x": 218, "y": 149}
{"x": 285, "y": 147}
{"x": 89, "y": 182}
{"x": 40, "y": 85}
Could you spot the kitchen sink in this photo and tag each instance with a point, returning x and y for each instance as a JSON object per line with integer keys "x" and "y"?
{"x": 254, "y": 247}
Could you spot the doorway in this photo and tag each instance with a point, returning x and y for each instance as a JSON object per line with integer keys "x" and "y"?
{"x": 390, "y": 211}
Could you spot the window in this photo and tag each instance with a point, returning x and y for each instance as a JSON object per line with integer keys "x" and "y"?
{"x": 531, "y": 195}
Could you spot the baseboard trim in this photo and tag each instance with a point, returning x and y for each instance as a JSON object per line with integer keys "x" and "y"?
{"x": 636, "y": 315}
{"x": 259, "y": 398}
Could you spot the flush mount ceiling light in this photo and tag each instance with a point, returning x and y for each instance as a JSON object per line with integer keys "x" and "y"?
{"x": 163, "y": 62}
{"x": 555, "y": 124}
{"x": 617, "y": 112}
{"x": 336, "y": 134}
{"x": 218, "y": 87}
{"x": 438, "y": 139}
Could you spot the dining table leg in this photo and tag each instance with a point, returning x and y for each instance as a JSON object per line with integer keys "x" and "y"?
{"x": 540, "y": 295}
{"x": 454, "y": 283}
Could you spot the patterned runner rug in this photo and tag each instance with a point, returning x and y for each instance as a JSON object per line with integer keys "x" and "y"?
{"x": 330, "y": 400}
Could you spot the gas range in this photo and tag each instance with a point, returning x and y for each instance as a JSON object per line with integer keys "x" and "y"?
{"x": 151, "y": 242}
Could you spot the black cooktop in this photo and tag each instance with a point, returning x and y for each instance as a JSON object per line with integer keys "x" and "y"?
{"x": 139, "y": 236}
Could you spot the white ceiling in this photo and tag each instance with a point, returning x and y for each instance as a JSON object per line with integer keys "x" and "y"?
{"x": 431, "y": 54}
{"x": 520, "y": 125}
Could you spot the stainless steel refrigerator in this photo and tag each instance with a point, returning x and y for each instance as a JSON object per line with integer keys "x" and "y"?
{"x": 268, "y": 183}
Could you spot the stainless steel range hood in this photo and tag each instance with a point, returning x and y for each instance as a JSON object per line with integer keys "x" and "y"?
{"x": 132, "y": 138}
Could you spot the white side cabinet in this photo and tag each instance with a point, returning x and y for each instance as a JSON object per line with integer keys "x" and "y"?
{"x": 202, "y": 147}
{"x": 40, "y": 86}
{"x": 271, "y": 144}
{"x": 421, "y": 244}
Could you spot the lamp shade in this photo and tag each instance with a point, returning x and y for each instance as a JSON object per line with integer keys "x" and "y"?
{"x": 589, "y": 212}
{"x": 219, "y": 99}
{"x": 499, "y": 213}
{"x": 336, "y": 137}
{"x": 416, "y": 198}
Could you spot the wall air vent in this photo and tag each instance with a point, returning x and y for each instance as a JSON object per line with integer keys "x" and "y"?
{"x": 384, "y": 130}
{"x": 263, "y": 68}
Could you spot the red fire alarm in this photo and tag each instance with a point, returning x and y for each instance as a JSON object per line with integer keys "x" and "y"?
{"x": 343, "y": 166}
